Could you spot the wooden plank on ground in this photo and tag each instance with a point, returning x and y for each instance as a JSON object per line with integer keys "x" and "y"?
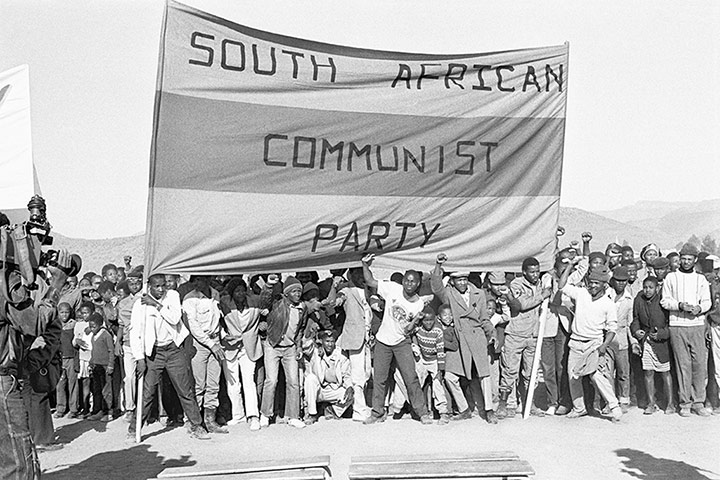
{"x": 423, "y": 458}
{"x": 305, "y": 474}
{"x": 437, "y": 469}
{"x": 320, "y": 462}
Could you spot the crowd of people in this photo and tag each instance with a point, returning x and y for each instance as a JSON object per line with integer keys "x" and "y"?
{"x": 439, "y": 346}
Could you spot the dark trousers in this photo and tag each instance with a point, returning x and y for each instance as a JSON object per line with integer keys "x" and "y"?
{"x": 101, "y": 386}
{"x": 175, "y": 361}
{"x": 67, "y": 388}
{"x": 383, "y": 356}
{"x": 170, "y": 401}
{"x": 553, "y": 358}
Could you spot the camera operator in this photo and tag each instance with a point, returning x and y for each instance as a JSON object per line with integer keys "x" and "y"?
{"x": 25, "y": 312}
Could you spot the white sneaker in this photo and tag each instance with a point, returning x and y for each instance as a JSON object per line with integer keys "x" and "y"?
{"x": 254, "y": 424}
{"x": 264, "y": 421}
{"x": 550, "y": 411}
{"x": 236, "y": 421}
{"x": 296, "y": 422}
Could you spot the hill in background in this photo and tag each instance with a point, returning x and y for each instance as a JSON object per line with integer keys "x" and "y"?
{"x": 679, "y": 220}
{"x": 663, "y": 223}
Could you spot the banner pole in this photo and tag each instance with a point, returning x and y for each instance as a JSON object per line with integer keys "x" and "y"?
{"x": 138, "y": 408}
{"x": 536, "y": 359}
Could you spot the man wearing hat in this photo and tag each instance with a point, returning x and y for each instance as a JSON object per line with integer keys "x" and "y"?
{"x": 661, "y": 267}
{"x": 521, "y": 335}
{"x": 618, "y": 356}
{"x": 686, "y": 294}
{"x": 497, "y": 291}
{"x": 285, "y": 325}
{"x": 553, "y": 353}
{"x": 468, "y": 305}
{"x": 593, "y": 329}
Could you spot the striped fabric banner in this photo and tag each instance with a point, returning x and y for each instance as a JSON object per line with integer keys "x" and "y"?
{"x": 273, "y": 153}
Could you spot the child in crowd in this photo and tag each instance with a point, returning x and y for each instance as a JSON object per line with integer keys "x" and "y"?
{"x": 66, "y": 389}
{"x": 453, "y": 362}
{"x": 430, "y": 360}
{"x": 650, "y": 326}
{"x": 101, "y": 367}
{"x": 82, "y": 340}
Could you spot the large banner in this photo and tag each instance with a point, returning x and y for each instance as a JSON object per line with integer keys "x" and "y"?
{"x": 17, "y": 182}
{"x": 273, "y": 153}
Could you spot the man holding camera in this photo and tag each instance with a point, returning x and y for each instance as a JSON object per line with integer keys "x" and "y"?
{"x": 23, "y": 312}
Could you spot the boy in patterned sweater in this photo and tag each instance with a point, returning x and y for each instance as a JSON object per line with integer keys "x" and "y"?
{"x": 429, "y": 346}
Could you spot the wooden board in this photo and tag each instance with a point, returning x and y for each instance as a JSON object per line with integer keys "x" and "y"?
{"x": 488, "y": 456}
{"x": 321, "y": 462}
{"x": 305, "y": 474}
{"x": 440, "y": 469}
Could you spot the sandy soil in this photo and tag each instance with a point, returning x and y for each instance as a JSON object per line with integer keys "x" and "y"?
{"x": 645, "y": 447}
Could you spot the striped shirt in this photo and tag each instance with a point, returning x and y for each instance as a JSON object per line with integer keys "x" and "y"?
{"x": 432, "y": 346}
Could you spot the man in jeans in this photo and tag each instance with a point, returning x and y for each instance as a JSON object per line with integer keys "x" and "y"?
{"x": 285, "y": 325}
{"x": 18, "y": 317}
{"x": 686, "y": 294}
{"x": 202, "y": 309}
{"x": 403, "y": 311}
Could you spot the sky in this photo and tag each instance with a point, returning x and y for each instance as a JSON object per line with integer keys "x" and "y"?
{"x": 643, "y": 102}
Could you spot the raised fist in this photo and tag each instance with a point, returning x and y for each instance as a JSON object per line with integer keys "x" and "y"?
{"x": 441, "y": 258}
{"x": 560, "y": 231}
{"x": 368, "y": 259}
{"x": 586, "y": 237}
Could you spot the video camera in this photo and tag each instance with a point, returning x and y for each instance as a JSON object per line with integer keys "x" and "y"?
{"x": 21, "y": 245}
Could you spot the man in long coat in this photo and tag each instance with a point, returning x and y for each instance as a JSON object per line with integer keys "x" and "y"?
{"x": 472, "y": 324}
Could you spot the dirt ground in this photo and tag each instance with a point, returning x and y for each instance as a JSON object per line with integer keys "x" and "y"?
{"x": 644, "y": 447}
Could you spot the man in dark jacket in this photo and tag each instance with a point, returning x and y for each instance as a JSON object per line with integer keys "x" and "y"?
{"x": 285, "y": 326}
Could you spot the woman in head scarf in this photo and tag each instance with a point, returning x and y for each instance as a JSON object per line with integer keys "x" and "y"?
{"x": 648, "y": 254}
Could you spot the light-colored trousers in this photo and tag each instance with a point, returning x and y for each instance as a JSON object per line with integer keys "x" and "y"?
{"x": 206, "y": 370}
{"x": 129, "y": 382}
{"x": 424, "y": 370}
{"x": 452, "y": 381}
{"x": 599, "y": 377}
{"x": 360, "y": 368}
{"x": 715, "y": 347}
{"x": 240, "y": 376}
{"x": 315, "y": 393}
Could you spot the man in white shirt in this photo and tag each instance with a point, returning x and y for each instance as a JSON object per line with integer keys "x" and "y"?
{"x": 686, "y": 295}
{"x": 403, "y": 311}
{"x": 593, "y": 329}
{"x": 156, "y": 336}
{"x": 202, "y": 309}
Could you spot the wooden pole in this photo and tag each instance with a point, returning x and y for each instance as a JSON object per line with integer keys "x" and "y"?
{"x": 138, "y": 408}
{"x": 536, "y": 359}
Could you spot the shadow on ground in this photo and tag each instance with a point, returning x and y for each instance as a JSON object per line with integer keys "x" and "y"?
{"x": 70, "y": 431}
{"x": 136, "y": 463}
{"x": 642, "y": 465}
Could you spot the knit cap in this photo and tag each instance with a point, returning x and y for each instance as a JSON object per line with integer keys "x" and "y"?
{"x": 291, "y": 283}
